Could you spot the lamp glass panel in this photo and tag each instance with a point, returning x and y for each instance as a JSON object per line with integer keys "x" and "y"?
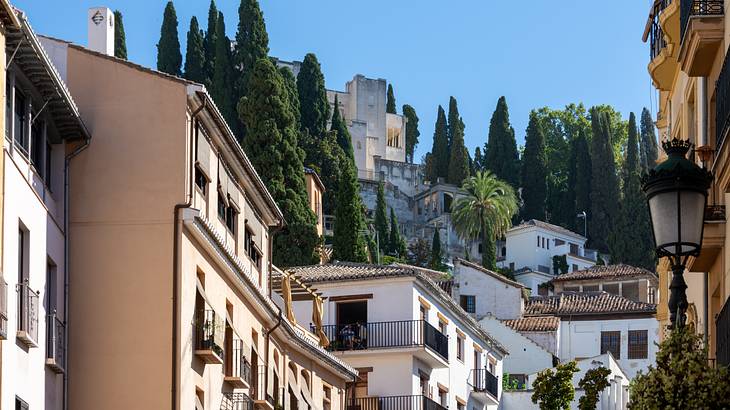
{"x": 693, "y": 212}
{"x": 663, "y": 208}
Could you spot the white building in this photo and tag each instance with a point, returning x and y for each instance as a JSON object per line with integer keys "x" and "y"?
{"x": 406, "y": 336}
{"x": 483, "y": 293}
{"x": 43, "y": 131}
{"x": 530, "y": 247}
{"x": 623, "y": 280}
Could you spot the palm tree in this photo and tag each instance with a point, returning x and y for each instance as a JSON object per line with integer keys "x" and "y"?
{"x": 485, "y": 212}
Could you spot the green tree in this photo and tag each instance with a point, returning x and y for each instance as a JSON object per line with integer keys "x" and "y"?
{"x": 419, "y": 253}
{"x": 396, "y": 243}
{"x": 484, "y": 213}
{"x": 381, "y": 218}
{"x": 120, "y": 39}
{"x": 618, "y": 129}
{"x": 252, "y": 44}
{"x": 534, "y": 172}
{"x": 560, "y": 264}
{"x": 209, "y": 42}
{"x": 339, "y": 127}
{"x": 440, "y": 148}
{"x": 313, "y": 103}
{"x": 169, "y": 58}
{"x": 220, "y": 88}
{"x": 579, "y": 178}
{"x": 478, "y": 163}
{"x": 195, "y": 54}
{"x": 390, "y": 102}
{"x": 501, "y": 155}
{"x": 553, "y": 390}
{"x": 649, "y": 147}
{"x": 271, "y": 145}
{"x": 412, "y": 132}
{"x": 349, "y": 244}
{"x": 604, "y": 183}
{"x": 459, "y": 166}
{"x": 682, "y": 377}
{"x": 593, "y": 383}
{"x": 436, "y": 252}
{"x": 290, "y": 82}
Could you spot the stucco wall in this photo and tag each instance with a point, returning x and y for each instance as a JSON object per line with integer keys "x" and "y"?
{"x": 525, "y": 356}
{"x": 493, "y": 296}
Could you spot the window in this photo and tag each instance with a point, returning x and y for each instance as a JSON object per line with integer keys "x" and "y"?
{"x": 630, "y": 290}
{"x": 575, "y": 267}
{"x": 559, "y": 242}
{"x": 231, "y": 218}
{"x": 394, "y": 137}
{"x": 249, "y": 246}
{"x": 504, "y": 250}
{"x": 611, "y": 342}
{"x": 326, "y": 397}
{"x": 518, "y": 380}
{"x": 443, "y": 398}
{"x": 468, "y": 303}
{"x": 638, "y": 347}
{"x": 23, "y": 253}
{"x": 201, "y": 181}
{"x": 573, "y": 249}
{"x": 538, "y": 241}
{"x": 571, "y": 289}
{"x": 49, "y": 152}
{"x": 512, "y": 266}
{"x": 51, "y": 287}
{"x": 459, "y": 406}
{"x": 611, "y": 288}
{"x": 460, "y": 347}
{"x": 19, "y": 122}
{"x": 590, "y": 288}
{"x": 36, "y": 146}
{"x": 442, "y": 327}
{"x": 547, "y": 243}
{"x": 424, "y": 313}
{"x": 221, "y": 207}
{"x": 8, "y": 107}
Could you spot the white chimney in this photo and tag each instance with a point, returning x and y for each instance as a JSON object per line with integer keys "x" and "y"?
{"x": 100, "y": 26}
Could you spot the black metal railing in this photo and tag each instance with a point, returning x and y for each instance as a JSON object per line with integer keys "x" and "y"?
{"x": 700, "y": 8}
{"x": 418, "y": 402}
{"x": 28, "y": 312}
{"x": 722, "y": 337}
{"x": 237, "y": 364}
{"x": 722, "y": 104}
{"x": 261, "y": 392}
{"x": 382, "y": 335}
{"x": 209, "y": 332}
{"x": 3, "y": 309}
{"x": 55, "y": 341}
{"x": 656, "y": 35}
{"x": 236, "y": 401}
{"x": 482, "y": 381}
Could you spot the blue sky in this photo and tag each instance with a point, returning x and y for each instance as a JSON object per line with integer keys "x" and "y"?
{"x": 535, "y": 52}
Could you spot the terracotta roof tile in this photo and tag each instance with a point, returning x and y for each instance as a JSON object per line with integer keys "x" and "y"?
{"x": 619, "y": 271}
{"x": 493, "y": 274}
{"x": 534, "y": 324}
{"x": 584, "y": 303}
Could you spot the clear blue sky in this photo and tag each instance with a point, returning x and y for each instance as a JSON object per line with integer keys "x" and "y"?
{"x": 535, "y": 52}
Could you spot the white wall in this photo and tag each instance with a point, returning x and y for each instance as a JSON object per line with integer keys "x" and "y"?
{"x": 549, "y": 341}
{"x": 493, "y": 297}
{"x": 524, "y": 252}
{"x": 525, "y": 356}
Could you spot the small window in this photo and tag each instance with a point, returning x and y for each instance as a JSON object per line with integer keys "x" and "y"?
{"x": 611, "y": 288}
{"x": 504, "y": 251}
{"x": 512, "y": 266}
{"x": 19, "y": 122}
{"x": 36, "y": 146}
{"x": 442, "y": 327}
{"x": 8, "y": 107}
{"x": 326, "y": 398}
{"x": 460, "y": 347}
{"x": 231, "y": 218}
{"x": 459, "y": 406}
{"x": 571, "y": 289}
{"x": 611, "y": 342}
{"x": 590, "y": 288}
{"x": 638, "y": 346}
{"x": 538, "y": 241}
{"x": 221, "y": 207}
{"x": 630, "y": 290}
{"x": 575, "y": 267}
{"x": 424, "y": 313}
{"x": 443, "y": 398}
{"x": 201, "y": 181}
{"x": 49, "y": 161}
{"x": 468, "y": 303}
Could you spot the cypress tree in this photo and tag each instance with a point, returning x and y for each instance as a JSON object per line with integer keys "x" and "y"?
{"x": 412, "y": 132}
{"x": 649, "y": 144}
{"x": 349, "y": 244}
{"x": 534, "y": 172}
{"x": 436, "y": 252}
{"x": 396, "y": 243}
{"x": 169, "y": 58}
{"x": 340, "y": 129}
{"x": 194, "y": 54}
{"x": 209, "y": 42}
{"x": 440, "y": 149}
{"x": 390, "y": 102}
{"x": 290, "y": 82}
{"x": 580, "y": 178}
{"x": 478, "y": 161}
{"x": 272, "y": 148}
{"x": 381, "y": 218}
{"x": 120, "y": 40}
{"x": 459, "y": 166}
{"x": 501, "y": 155}
{"x": 604, "y": 183}
{"x": 220, "y": 88}
{"x": 313, "y": 97}
{"x": 252, "y": 43}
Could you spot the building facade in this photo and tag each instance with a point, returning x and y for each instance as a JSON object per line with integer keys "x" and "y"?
{"x": 630, "y": 282}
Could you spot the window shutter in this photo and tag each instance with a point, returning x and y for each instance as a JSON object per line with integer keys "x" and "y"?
{"x": 222, "y": 181}
{"x": 202, "y": 154}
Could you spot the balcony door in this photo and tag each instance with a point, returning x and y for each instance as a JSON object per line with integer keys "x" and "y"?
{"x": 352, "y": 327}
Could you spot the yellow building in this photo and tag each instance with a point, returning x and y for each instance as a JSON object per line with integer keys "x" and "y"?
{"x": 688, "y": 41}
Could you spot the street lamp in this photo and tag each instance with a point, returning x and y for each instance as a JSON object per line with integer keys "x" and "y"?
{"x": 676, "y": 191}
{"x": 584, "y": 217}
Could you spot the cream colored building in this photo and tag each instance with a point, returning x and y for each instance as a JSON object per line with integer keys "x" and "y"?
{"x": 688, "y": 42}
{"x": 170, "y": 256}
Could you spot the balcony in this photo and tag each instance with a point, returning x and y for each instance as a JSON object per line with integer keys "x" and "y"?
{"x": 263, "y": 397}
{"x": 238, "y": 369}
{"x": 722, "y": 336}
{"x": 209, "y": 336}
{"x": 484, "y": 386}
{"x": 662, "y": 32}
{"x": 418, "y": 402}
{"x": 55, "y": 343}
{"x": 430, "y": 344}
{"x": 27, "y": 315}
{"x": 701, "y": 34}
{"x": 236, "y": 401}
{"x": 3, "y": 309}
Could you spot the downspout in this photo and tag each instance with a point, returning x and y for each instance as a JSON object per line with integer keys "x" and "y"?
{"x": 706, "y": 315}
{"x": 177, "y": 232}
{"x": 267, "y": 336}
{"x": 66, "y": 235}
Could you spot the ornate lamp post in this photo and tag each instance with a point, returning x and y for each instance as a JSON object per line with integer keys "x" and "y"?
{"x": 676, "y": 191}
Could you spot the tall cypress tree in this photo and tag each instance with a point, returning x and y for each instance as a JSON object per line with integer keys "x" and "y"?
{"x": 649, "y": 145}
{"x": 313, "y": 105}
{"x": 195, "y": 54}
{"x": 120, "y": 39}
{"x": 534, "y": 172}
{"x": 412, "y": 132}
{"x": 604, "y": 184}
{"x": 271, "y": 145}
{"x": 220, "y": 88}
{"x": 440, "y": 149}
{"x": 349, "y": 244}
{"x": 290, "y": 82}
{"x": 381, "y": 218}
{"x": 478, "y": 161}
{"x": 252, "y": 44}
{"x": 396, "y": 244}
{"x": 169, "y": 58}
{"x": 339, "y": 127}
{"x": 458, "y": 169}
{"x": 436, "y": 252}
{"x": 501, "y": 155}
{"x": 390, "y": 101}
{"x": 209, "y": 42}
{"x": 580, "y": 179}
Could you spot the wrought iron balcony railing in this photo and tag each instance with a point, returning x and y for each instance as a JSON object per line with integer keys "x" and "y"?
{"x": 699, "y": 8}
{"x": 27, "y": 314}
{"x": 418, "y": 402}
{"x": 209, "y": 336}
{"x": 722, "y": 104}
{"x": 236, "y": 401}
{"x": 383, "y": 335}
{"x": 237, "y": 367}
{"x": 55, "y": 343}
{"x": 656, "y": 35}
{"x": 482, "y": 381}
{"x": 3, "y": 309}
{"x": 273, "y": 396}
{"x": 722, "y": 337}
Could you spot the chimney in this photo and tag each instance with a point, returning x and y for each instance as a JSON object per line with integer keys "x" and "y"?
{"x": 100, "y": 25}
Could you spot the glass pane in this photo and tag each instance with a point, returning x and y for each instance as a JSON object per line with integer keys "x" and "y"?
{"x": 663, "y": 209}
{"x": 693, "y": 210}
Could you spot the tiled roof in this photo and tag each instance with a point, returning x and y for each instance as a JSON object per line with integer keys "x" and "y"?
{"x": 584, "y": 303}
{"x": 534, "y": 324}
{"x": 493, "y": 274}
{"x": 548, "y": 226}
{"x": 619, "y": 271}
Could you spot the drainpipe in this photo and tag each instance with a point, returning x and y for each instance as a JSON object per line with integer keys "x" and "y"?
{"x": 177, "y": 232}
{"x": 66, "y": 264}
{"x": 267, "y": 336}
{"x": 705, "y": 279}
{"x": 703, "y": 116}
